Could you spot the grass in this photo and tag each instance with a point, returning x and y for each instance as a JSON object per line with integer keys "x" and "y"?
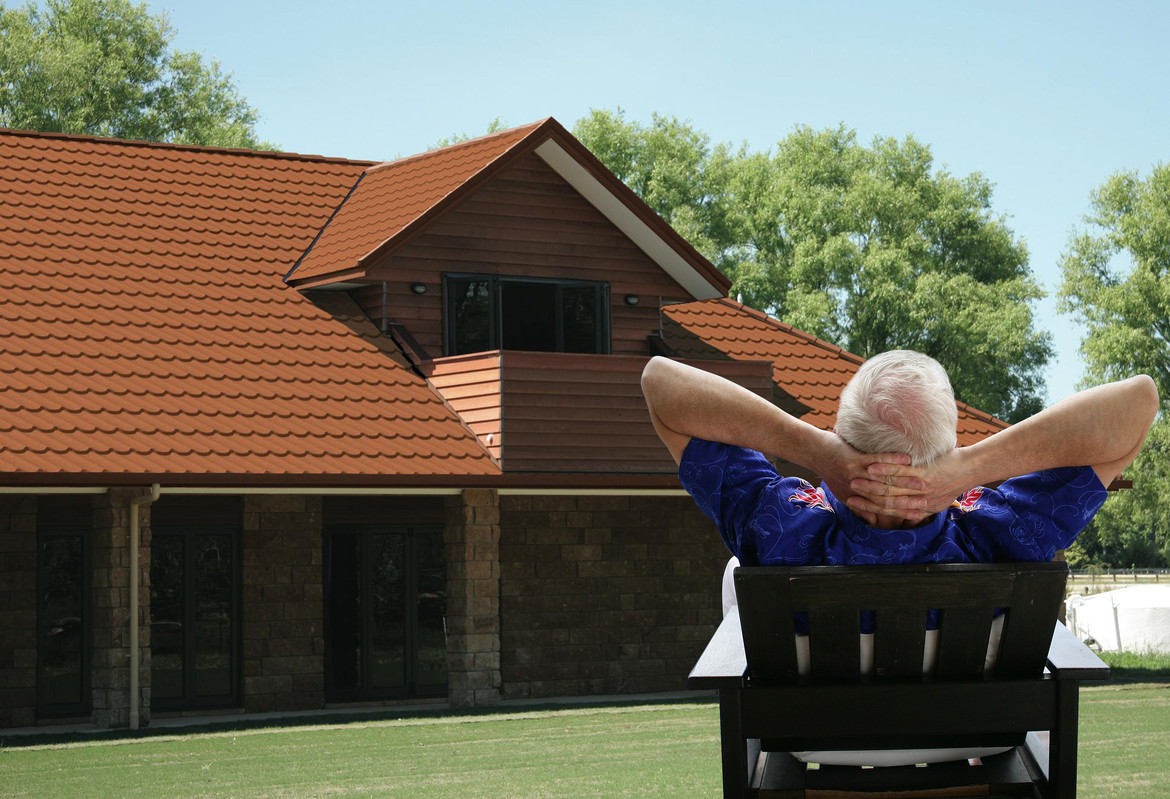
{"x": 647, "y": 750}
{"x": 1130, "y": 667}
{"x": 643, "y": 750}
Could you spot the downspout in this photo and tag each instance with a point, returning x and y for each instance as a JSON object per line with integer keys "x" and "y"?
{"x": 135, "y": 504}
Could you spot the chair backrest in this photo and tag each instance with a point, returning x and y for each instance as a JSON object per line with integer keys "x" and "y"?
{"x": 966, "y": 596}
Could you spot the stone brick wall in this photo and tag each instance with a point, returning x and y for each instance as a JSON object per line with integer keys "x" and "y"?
{"x": 18, "y": 611}
{"x": 283, "y": 646}
{"x": 604, "y": 595}
{"x": 472, "y": 538}
{"x": 111, "y": 609}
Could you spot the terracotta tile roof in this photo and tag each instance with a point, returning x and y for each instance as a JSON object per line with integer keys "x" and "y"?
{"x": 394, "y": 201}
{"x": 145, "y": 328}
{"x": 394, "y": 196}
{"x": 813, "y": 372}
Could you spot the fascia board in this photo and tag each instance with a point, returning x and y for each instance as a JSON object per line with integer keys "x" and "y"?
{"x": 627, "y": 221}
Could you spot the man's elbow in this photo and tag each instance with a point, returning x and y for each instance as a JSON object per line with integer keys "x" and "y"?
{"x": 1146, "y": 398}
{"x": 653, "y": 374}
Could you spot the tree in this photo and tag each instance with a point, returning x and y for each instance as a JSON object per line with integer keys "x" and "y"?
{"x": 870, "y": 248}
{"x": 1116, "y": 281}
{"x": 105, "y": 68}
{"x": 495, "y": 126}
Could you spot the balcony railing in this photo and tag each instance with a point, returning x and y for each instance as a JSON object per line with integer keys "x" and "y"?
{"x": 562, "y": 412}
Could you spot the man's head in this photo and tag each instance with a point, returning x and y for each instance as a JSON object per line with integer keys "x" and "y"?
{"x": 899, "y": 401}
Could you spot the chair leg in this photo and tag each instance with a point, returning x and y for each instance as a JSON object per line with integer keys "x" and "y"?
{"x": 737, "y": 755}
{"x": 1062, "y": 746}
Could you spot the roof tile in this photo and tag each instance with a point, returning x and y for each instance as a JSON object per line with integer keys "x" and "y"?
{"x": 146, "y": 329}
{"x": 390, "y": 196}
{"x": 812, "y": 371}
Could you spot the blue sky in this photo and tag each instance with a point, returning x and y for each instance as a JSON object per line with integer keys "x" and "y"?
{"x": 1046, "y": 99}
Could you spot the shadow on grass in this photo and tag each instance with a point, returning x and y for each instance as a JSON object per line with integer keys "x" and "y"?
{"x": 319, "y": 718}
{"x": 1127, "y": 667}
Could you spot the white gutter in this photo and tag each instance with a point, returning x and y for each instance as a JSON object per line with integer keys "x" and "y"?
{"x": 135, "y": 503}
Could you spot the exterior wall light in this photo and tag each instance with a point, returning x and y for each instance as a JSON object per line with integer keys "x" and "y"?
{"x": 418, "y": 288}
{"x": 631, "y": 299}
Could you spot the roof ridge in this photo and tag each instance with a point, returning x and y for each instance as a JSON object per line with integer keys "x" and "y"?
{"x": 531, "y": 127}
{"x": 113, "y": 140}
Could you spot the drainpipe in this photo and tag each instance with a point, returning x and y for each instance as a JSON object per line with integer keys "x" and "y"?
{"x": 135, "y": 504}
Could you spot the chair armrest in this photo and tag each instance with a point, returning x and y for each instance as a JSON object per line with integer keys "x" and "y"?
{"x": 1069, "y": 659}
{"x": 723, "y": 663}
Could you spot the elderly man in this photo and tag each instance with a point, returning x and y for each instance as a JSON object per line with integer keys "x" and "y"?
{"x": 895, "y": 487}
{"x": 911, "y": 495}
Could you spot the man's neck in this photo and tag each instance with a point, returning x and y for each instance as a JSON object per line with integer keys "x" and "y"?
{"x": 898, "y": 523}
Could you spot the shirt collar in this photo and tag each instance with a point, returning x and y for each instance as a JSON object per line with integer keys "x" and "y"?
{"x": 857, "y": 529}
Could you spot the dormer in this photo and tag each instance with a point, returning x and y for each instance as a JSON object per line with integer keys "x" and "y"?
{"x": 525, "y": 282}
{"x": 521, "y": 240}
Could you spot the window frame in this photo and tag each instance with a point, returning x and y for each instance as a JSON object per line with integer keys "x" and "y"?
{"x": 602, "y": 335}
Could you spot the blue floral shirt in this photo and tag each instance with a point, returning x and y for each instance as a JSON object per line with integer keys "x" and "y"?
{"x": 769, "y": 520}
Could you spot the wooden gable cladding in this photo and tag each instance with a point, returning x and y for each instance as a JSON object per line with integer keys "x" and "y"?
{"x": 558, "y": 412}
{"x": 471, "y": 385}
{"x": 526, "y": 222}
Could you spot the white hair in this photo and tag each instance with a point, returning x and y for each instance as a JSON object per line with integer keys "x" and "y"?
{"x": 900, "y": 401}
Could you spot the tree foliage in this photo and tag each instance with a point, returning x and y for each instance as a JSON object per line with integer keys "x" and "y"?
{"x": 105, "y": 68}
{"x": 871, "y": 248}
{"x": 1116, "y": 281}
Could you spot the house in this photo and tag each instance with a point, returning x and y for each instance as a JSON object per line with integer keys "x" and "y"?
{"x": 337, "y": 431}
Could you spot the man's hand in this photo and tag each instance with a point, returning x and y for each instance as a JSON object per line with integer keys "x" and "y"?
{"x": 841, "y": 467}
{"x": 914, "y": 492}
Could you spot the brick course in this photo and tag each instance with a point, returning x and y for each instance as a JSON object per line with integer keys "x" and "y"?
{"x": 111, "y": 609}
{"x": 604, "y": 595}
{"x": 283, "y": 635}
{"x": 471, "y": 536}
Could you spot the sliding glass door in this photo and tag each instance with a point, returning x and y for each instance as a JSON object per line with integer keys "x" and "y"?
{"x": 385, "y": 606}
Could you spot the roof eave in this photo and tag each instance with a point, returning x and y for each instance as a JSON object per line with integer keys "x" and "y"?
{"x": 332, "y": 483}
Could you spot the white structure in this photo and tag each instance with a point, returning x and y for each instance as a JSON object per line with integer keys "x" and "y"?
{"x": 1134, "y": 619}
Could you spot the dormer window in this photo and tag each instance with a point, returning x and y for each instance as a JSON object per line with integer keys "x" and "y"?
{"x": 489, "y": 312}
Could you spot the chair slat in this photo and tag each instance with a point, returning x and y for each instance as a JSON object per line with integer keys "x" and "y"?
{"x": 765, "y": 615}
{"x": 962, "y": 642}
{"x": 899, "y": 642}
{"x": 834, "y": 640}
{"x": 1030, "y": 621}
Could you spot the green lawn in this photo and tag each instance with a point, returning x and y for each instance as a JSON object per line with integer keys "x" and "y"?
{"x": 644, "y": 750}
{"x": 664, "y": 750}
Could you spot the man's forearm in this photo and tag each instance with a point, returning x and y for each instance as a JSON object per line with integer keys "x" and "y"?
{"x": 688, "y": 403}
{"x": 697, "y": 404}
{"x": 1096, "y": 427}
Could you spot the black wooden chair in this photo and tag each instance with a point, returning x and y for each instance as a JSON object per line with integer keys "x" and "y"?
{"x": 1026, "y": 701}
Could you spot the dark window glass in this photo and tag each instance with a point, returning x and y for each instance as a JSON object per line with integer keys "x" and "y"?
{"x": 486, "y": 313}
{"x": 469, "y": 305}
{"x": 386, "y": 586}
{"x": 194, "y": 608}
{"x": 580, "y": 309}
{"x": 62, "y": 623}
{"x": 431, "y": 600}
{"x": 387, "y": 604}
{"x": 167, "y": 616}
{"x": 214, "y": 614}
{"x": 343, "y": 631}
{"x": 528, "y": 316}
